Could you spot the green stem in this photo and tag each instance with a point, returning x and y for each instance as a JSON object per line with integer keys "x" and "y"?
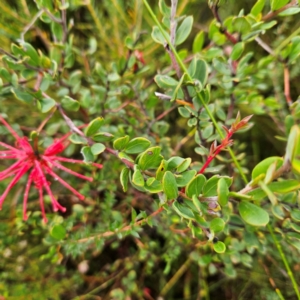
{"x": 189, "y": 77}
{"x": 286, "y": 264}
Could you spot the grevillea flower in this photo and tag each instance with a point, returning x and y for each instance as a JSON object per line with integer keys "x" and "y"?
{"x": 28, "y": 160}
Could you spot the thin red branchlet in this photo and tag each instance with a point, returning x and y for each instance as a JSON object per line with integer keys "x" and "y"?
{"x": 28, "y": 160}
{"x": 215, "y": 149}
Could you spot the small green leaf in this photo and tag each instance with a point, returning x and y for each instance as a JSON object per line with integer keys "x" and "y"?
{"x": 241, "y": 24}
{"x": 170, "y": 186}
{"x": 102, "y": 137}
{"x": 94, "y": 126}
{"x": 277, "y": 4}
{"x": 87, "y": 153}
{"x": 295, "y": 215}
{"x": 58, "y": 232}
{"x": 69, "y": 103}
{"x": 164, "y": 9}
{"x": 253, "y": 214}
{"x": 198, "y": 42}
{"x": 124, "y": 178}
{"x": 262, "y": 167}
{"x": 258, "y": 7}
{"x": 164, "y": 81}
{"x": 217, "y": 225}
{"x": 184, "y": 178}
{"x": 198, "y": 69}
{"x": 158, "y": 36}
{"x": 223, "y": 191}
{"x": 211, "y": 185}
{"x": 153, "y": 185}
{"x": 293, "y": 144}
{"x": 183, "y": 211}
{"x": 184, "y": 30}
{"x": 77, "y": 139}
{"x": 174, "y": 162}
{"x": 137, "y": 145}
{"x": 46, "y": 104}
{"x": 161, "y": 170}
{"x": 120, "y": 143}
{"x": 150, "y": 159}
{"x": 23, "y": 96}
{"x": 219, "y": 247}
{"x": 137, "y": 177}
{"x": 237, "y": 51}
{"x": 97, "y": 148}
{"x": 184, "y": 165}
{"x": 194, "y": 187}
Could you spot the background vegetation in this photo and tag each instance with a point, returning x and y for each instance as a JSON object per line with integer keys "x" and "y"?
{"x": 149, "y": 227}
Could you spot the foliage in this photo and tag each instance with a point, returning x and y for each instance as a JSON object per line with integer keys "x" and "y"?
{"x": 188, "y": 195}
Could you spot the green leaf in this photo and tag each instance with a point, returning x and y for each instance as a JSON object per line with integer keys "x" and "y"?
{"x": 124, "y": 178}
{"x": 183, "y": 211}
{"x": 217, "y": 225}
{"x": 158, "y": 36}
{"x": 164, "y": 9}
{"x": 253, "y": 214}
{"x": 211, "y": 185}
{"x": 102, "y": 137}
{"x": 165, "y": 82}
{"x": 69, "y": 103}
{"x": 137, "y": 177}
{"x": 170, "y": 186}
{"x": 77, "y": 139}
{"x": 198, "y": 42}
{"x": 262, "y": 167}
{"x": 219, "y": 247}
{"x": 137, "y": 145}
{"x": 184, "y": 178}
{"x": 161, "y": 170}
{"x": 293, "y": 144}
{"x": 97, "y": 148}
{"x": 241, "y": 25}
{"x": 184, "y": 165}
{"x": 290, "y": 11}
{"x": 94, "y": 126}
{"x": 281, "y": 187}
{"x": 194, "y": 187}
{"x": 237, "y": 51}
{"x": 198, "y": 69}
{"x": 87, "y": 153}
{"x": 184, "y": 30}
{"x": 46, "y": 104}
{"x": 58, "y": 232}
{"x": 150, "y": 159}
{"x": 153, "y": 185}
{"x": 277, "y": 4}
{"x": 258, "y": 7}
{"x": 223, "y": 191}
{"x": 174, "y": 162}
{"x": 23, "y": 96}
{"x": 295, "y": 215}
{"x": 120, "y": 143}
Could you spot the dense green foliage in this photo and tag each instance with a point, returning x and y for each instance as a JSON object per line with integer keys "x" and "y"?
{"x": 193, "y": 111}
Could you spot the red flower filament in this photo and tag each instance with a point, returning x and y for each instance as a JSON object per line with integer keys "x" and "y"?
{"x": 38, "y": 165}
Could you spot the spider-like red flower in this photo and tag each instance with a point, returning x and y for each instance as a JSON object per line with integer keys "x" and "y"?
{"x": 38, "y": 165}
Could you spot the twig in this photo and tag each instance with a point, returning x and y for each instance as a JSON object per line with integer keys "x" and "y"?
{"x": 64, "y": 22}
{"x": 265, "y": 46}
{"x": 125, "y": 228}
{"x": 224, "y": 30}
{"x": 287, "y": 92}
{"x": 27, "y": 27}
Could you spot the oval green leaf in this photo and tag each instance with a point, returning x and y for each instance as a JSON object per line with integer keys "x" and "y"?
{"x": 253, "y": 214}
{"x": 137, "y": 145}
{"x": 170, "y": 186}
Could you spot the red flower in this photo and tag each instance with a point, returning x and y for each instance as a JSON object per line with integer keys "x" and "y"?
{"x": 38, "y": 165}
